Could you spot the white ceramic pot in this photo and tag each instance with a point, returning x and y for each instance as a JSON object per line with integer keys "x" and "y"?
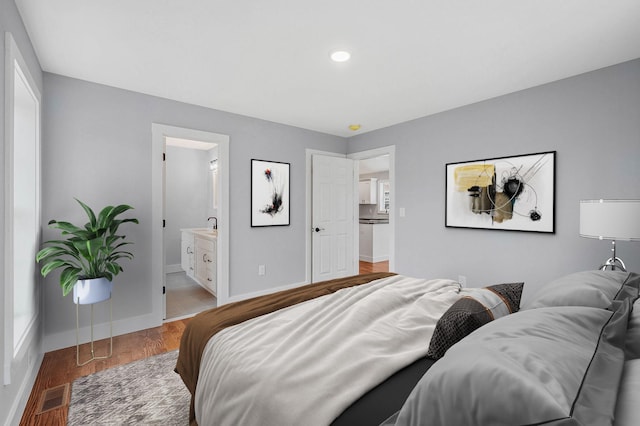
{"x": 90, "y": 291}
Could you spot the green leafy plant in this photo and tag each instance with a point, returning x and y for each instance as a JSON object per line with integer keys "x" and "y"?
{"x": 90, "y": 252}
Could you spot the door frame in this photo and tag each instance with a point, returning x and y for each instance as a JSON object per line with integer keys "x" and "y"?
{"x": 371, "y": 153}
{"x": 159, "y": 132}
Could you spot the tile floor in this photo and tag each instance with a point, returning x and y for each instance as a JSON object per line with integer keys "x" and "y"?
{"x": 186, "y": 297}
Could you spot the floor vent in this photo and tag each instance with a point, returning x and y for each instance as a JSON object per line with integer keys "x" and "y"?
{"x": 53, "y": 398}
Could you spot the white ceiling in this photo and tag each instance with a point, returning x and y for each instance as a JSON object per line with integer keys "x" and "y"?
{"x": 270, "y": 59}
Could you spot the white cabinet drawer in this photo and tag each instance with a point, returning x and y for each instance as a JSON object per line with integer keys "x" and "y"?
{"x": 206, "y": 263}
{"x": 205, "y": 244}
{"x": 187, "y": 253}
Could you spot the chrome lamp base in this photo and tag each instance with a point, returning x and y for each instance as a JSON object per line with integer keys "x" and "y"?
{"x": 614, "y": 262}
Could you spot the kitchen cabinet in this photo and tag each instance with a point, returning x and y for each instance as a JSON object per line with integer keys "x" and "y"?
{"x": 374, "y": 242}
{"x": 368, "y": 191}
{"x": 366, "y": 241}
{"x": 199, "y": 254}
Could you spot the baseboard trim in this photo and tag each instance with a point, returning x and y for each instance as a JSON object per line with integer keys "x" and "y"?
{"x": 245, "y": 296}
{"x": 20, "y": 402}
{"x": 170, "y": 269}
{"x": 370, "y": 259}
{"x": 67, "y": 338}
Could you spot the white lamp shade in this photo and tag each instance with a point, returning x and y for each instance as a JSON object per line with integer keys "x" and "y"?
{"x": 610, "y": 219}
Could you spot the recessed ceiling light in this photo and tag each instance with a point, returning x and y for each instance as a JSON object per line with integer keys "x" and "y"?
{"x": 354, "y": 127}
{"x": 340, "y": 56}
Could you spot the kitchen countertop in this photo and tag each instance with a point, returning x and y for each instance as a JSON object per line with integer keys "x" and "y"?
{"x": 373, "y": 221}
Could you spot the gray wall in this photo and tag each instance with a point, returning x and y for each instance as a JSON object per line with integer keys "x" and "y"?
{"x": 592, "y": 121}
{"x": 188, "y": 196}
{"x": 11, "y": 400}
{"x": 97, "y": 147}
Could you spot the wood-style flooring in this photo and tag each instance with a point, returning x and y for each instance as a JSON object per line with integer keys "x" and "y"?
{"x": 366, "y": 267}
{"x": 59, "y": 367}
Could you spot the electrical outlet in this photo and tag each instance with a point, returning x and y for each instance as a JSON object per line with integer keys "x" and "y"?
{"x": 261, "y": 270}
{"x": 462, "y": 280}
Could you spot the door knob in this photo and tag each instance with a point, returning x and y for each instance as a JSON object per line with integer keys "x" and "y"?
{"x": 318, "y": 229}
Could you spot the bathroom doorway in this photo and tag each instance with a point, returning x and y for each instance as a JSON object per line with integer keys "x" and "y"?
{"x": 203, "y": 198}
{"x": 190, "y": 203}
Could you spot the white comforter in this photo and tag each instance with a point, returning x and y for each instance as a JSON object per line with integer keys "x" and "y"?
{"x": 305, "y": 364}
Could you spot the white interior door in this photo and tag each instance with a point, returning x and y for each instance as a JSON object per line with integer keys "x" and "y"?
{"x": 332, "y": 219}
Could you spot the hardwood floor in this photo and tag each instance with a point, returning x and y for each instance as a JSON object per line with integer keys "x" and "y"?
{"x": 366, "y": 267}
{"x": 59, "y": 367}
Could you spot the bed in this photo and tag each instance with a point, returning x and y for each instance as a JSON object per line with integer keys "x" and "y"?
{"x": 570, "y": 356}
{"x": 381, "y": 348}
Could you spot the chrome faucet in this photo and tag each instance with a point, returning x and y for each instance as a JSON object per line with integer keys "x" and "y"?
{"x": 215, "y": 224}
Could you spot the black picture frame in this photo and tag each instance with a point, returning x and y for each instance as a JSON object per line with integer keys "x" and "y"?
{"x": 513, "y": 193}
{"x": 270, "y": 192}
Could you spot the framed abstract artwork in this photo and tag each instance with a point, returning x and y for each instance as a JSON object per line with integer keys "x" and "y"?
{"x": 515, "y": 193}
{"x": 269, "y": 193}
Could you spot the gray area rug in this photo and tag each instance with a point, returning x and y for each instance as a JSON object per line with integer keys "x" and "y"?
{"x": 144, "y": 392}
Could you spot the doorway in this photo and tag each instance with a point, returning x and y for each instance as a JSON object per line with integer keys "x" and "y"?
{"x": 164, "y": 256}
{"x": 190, "y": 203}
{"x": 376, "y": 190}
{"x": 374, "y": 204}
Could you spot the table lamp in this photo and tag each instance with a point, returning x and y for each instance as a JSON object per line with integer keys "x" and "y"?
{"x": 615, "y": 220}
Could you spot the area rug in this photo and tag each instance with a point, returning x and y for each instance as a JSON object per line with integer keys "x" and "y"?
{"x": 143, "y": 392}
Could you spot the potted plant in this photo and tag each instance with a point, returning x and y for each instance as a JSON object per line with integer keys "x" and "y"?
{"x": 89, "y": 256}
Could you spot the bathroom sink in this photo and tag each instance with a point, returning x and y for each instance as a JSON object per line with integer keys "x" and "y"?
{"x": 207, "y": 232}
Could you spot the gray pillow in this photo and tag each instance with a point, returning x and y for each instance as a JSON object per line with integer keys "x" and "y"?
{"x": 552, "y": 366}
{"x": 628, "y": 404}
{"x": 631, "y": 288}
{"x": 632, "y": 347}
{"x": 588, "y": 288}
{"x": 475, "y": 308}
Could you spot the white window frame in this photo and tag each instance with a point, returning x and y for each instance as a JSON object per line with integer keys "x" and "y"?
{"x": 14, "y": 62}
{"x": 381, "y": 197}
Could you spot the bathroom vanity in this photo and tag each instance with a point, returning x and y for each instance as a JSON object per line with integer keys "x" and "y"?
{"x": 198, "y": 256}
